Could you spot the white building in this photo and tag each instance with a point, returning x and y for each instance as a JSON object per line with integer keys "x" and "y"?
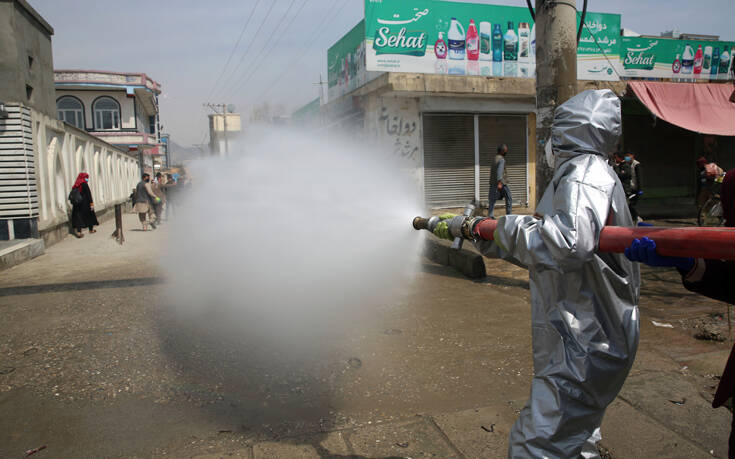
{"x": 120, "y": 108}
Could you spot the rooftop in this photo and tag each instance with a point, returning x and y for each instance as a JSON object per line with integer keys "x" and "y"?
{"x": 105, "y": 79}
{"x": 23, "y": 4}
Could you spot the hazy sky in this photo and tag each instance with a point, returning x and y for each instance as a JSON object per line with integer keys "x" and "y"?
{"x": 184, "y": 44}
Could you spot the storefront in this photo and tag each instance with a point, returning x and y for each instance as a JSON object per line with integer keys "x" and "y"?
{"x": 668, "y": 126}
{"x": 442, "y": 84}
{"x": 458, "y": 155}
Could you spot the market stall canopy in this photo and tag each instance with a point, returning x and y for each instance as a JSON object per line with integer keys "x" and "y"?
{"x": 704, "y": 108}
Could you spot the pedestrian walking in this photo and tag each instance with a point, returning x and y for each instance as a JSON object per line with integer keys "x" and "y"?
{"x": 159, "y": 189}
{"x": 170, "y": 195}
{"x": 499, "y": 182}
{"x": 144, "y": 200}
{"x": 82, "y": 212}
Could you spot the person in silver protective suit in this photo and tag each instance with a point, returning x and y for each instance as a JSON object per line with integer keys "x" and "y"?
{"x": 584, "y": 304}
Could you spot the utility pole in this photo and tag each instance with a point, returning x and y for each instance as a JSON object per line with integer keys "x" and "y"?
{"x": 214, "y": 107}
{"x": 556, "y": 72}
{"x": 224, "y": 121}
{"x": 321, "y": 89}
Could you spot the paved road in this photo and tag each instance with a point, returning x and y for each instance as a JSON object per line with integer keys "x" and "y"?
{"x": 93, "y": 365}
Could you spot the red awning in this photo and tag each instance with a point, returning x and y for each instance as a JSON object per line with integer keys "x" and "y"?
{"x": 704, "y": 108}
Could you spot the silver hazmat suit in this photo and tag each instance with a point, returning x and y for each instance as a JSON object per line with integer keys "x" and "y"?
{"x": 584, "y": 309}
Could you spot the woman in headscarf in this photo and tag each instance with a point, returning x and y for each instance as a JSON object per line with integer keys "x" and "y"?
{"x": 82, "y": 212}
{"x": 711, "y": 278}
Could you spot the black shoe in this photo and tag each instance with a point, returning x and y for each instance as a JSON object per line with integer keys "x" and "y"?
{"x": 153, "y": 225}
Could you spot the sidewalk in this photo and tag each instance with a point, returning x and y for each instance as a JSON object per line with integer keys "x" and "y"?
{"x": 474, "y": 433}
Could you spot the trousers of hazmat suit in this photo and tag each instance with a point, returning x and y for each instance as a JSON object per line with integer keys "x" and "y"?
{"x": 584, "y": 304}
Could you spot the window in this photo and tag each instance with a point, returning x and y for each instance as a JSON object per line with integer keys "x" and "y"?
{"x": 106, "y": 113}
{"x": 151, "y": 124}
{"x": 30, "y": 62}
{"x": 29, "y": 92}
{"x": 70, "y": 110}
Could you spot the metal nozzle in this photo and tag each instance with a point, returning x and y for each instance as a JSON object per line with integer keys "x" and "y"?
{"x": 429, "y": 224}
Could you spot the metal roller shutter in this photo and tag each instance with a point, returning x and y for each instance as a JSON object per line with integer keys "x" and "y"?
{"x": 449, "y": 160}
{"x": 510, "y": 130}
{"x": 18, "y": 192}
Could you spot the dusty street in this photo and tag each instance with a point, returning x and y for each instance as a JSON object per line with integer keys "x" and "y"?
{"x": 91, "y": 365}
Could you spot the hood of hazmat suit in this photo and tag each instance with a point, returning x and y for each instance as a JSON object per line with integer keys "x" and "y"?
{"x": 584, "y": 304}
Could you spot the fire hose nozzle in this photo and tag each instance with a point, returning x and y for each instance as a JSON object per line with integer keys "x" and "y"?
{"x": 429, "y": 224}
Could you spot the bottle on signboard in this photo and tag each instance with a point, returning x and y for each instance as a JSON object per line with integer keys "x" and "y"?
{"x": 676, "y": 65}
{"x": 687, "y": 60}
{"x": 724, "y": 64}
{"x": 698, "y": 60}
{"x": 715, "y": 62}
{"x": 707, "y": 59}
{"x": 456, "y": 38}
{"x": 473, "y": 42}
{"x": 524, "y": 42}
{"x": 497, "y": 43}
{"x": 510, "y": 44}
{"x": 486, "y": 50}
{"x": 440, "y": 47}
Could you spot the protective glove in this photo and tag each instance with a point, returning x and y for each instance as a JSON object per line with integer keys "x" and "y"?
{"x": 644, "y": 251}
{"x": 442, "y": 228}
{"x": 158, "y": 199}
{"x": 640, "y": 193}
{"x": 442, "y": 231}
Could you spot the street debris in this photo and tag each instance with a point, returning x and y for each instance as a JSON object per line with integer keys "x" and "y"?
{"x": 679, "y": 402}
{"x": 490, "y": 429}
{"x": 661, "y": 324}
{"x": 393, "y": 331}
{"x": 402, "y": 444}
{"x": 6, "y": 370}
{"x": 30, "y": 351}
{"x": 707, "y": 332}
{"x": 354, "y": 362}
{"x": 31, "y": 452}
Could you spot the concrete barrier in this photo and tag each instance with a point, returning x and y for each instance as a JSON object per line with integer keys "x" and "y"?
{"x": 466, "y": 261}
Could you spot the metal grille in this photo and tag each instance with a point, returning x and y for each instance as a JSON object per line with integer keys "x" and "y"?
{"x": 510, "y": 130}
{"x": 449, "y": 160}
{"x": 18, "y": 192}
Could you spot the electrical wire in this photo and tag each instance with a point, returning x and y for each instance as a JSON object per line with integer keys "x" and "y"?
{"x": 258, "y": 59}
{"x": 581, "y": 22}
{"x": 247, "y": 51}
{"x": 318, "y": 32}
{"x": 234, "y": 48}
{"x": 530, "y": 10}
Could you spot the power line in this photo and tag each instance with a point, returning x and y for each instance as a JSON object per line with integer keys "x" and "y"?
{"x": 316, "y": 35}
{"x": 234, "y": 48}
{"x": 252, "y": 41}
{"x": 274, "y": 44}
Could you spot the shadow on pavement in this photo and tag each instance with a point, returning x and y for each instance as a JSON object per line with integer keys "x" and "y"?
{"x": 256, "y": 388}
{"x": 71, "y": 286}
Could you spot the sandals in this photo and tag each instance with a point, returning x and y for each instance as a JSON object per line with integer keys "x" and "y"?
{"x": 92, "y": 231}
{"x": 79, "y": 235}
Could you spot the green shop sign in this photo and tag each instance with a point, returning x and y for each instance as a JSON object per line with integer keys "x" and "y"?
{"x": 674, "y": 58}
{"x": 456, "y": 38}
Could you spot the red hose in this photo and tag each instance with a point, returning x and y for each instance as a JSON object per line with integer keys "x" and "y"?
{"x": 696, "y": 242}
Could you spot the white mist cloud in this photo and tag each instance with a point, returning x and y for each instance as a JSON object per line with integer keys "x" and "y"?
{"x": 291, "y": 238}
